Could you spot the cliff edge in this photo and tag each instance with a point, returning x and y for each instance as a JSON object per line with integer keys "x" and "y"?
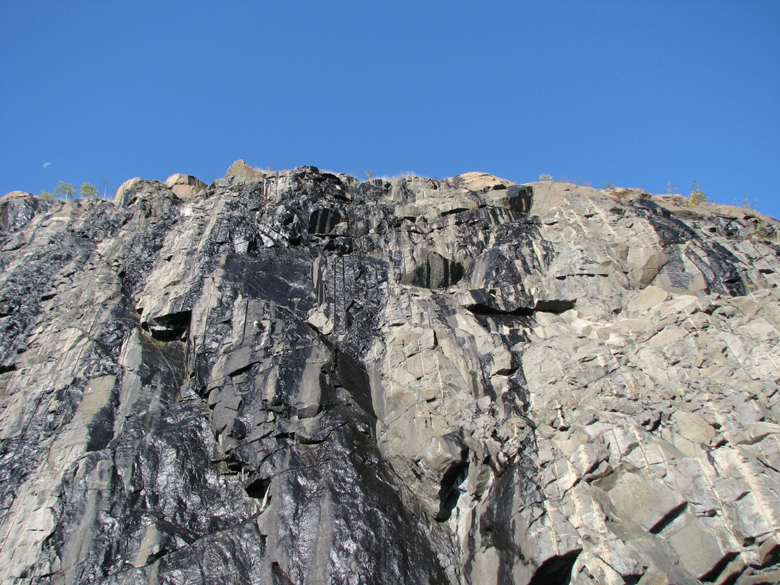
{"x": 294, "y": 377}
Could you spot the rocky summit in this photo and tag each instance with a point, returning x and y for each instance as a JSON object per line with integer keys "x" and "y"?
{"x": 295, "y": 377}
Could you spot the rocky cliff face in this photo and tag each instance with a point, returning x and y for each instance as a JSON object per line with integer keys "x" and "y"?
{"x": 295, "y": 377}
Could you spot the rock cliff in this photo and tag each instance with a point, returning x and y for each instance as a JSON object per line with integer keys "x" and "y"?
{"x": 294, "y": 377}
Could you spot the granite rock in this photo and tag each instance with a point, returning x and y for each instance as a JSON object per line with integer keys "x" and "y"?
{"x": 185, "y": 186}
{"x": 296, "y": 377}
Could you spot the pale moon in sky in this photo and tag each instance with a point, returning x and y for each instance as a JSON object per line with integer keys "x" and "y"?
{"x": 46, "y": 165}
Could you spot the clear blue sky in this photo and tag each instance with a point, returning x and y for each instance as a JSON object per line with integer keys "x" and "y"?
{"x": 636, "y": 93}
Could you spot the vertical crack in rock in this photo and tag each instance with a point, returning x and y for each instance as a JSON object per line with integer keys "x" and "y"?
{"x": 433, "y": 270}
{"x": 449, "y": 493}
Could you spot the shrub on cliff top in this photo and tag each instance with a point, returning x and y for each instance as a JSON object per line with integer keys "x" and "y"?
{"x": 68, "y": 191}
{"x": 697, "y": 195}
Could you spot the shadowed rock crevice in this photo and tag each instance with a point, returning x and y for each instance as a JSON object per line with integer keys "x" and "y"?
{"x": 352, "y": 375}
{"x": 556, "y": 570}
{"x": 487, "y": 306}
{"x": 169, "y": 327}
{"x": 670, "y": 517}
{"x": 450, "y": 483}
{"x": 717, "y": 570}
{"x": 258, "y": 488}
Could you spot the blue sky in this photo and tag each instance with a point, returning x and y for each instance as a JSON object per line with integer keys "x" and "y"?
{"x": 639, "y": 94}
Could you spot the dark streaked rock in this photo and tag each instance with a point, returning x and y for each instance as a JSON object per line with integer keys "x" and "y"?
{"x": 295, "y": 377}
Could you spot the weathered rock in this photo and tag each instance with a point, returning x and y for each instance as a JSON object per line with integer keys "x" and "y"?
{"x": 124, "y": 193}
{"x": 242, "y": 170}
{"x": 16, "y": 195}
{"x": 18, "y": 208}
{"x": 295, "y": 377}
{"x": 185, "y": 186}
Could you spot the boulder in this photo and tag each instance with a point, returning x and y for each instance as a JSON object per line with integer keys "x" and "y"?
{"x": 136, "y": 188}
{"x": 185, "y": 186}
{"x": 124, "y": 193}
{"x": 242, "y": 170}
{"x": 479, "y": 182}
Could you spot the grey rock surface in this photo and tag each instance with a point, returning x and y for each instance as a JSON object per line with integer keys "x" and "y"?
{"x": 296, "y": 377}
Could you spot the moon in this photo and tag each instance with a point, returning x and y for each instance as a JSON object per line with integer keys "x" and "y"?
{"x": 46, "y": 165}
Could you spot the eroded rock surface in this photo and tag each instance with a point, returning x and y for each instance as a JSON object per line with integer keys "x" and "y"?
{"x": 294, "y": 377}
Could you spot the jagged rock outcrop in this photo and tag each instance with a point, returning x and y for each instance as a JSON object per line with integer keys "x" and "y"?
{"x": 296, "y": 377}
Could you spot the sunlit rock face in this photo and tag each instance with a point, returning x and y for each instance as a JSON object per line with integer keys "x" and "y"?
{"x": 295, "y": 377}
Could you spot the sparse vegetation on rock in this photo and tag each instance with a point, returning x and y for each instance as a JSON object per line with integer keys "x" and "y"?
{"x": 88, "y": 190}
{"x": 698, "y": 196}
{"x": 67, "y": 191}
